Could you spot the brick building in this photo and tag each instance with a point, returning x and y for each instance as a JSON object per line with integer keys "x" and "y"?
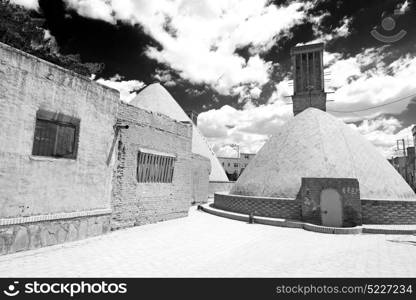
{"x": 180, "y": 177}
{"x": 405, "y": 165}
{"x": 76, "y": 162}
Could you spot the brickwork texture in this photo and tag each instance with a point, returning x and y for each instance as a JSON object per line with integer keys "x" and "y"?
{"x": 388, "y": 212}
{"x": 137, "y": 203}
{"x": 310, "y": 196}
{"x": 265, "y": 207}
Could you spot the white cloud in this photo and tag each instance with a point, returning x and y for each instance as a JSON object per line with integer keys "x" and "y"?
{"x": 31, "y": 4}
{"x": 365, "y": 81}
{"x": 227, "y": 151}
{"x": 384, "y": 132}
{"x": 126, "y": 88}
{"x": 209, "y": 32}
{"x": 404, "y": 7}
{"x": 203, "y": 35}
{"x": 249, "y": 127}
{"x": 95, "y": 9}
{"x": 342, "y": 31}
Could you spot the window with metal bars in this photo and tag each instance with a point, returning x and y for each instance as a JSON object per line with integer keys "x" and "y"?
{"x": 56, "y": 135}
{"x": 155, "y": 168}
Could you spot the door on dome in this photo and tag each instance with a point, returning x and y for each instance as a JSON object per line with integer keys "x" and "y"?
{"x": 331, "y": 208}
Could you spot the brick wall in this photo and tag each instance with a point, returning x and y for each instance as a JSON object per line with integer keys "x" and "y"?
{"x": 348, "y": 189}
{"x": 266, "y": 207}
{"x": 388, "y": 212}
{"x": 137, "y": 203}
{"x": 41, "y": 185}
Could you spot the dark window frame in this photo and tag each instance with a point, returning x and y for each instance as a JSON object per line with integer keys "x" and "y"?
{"x": 60, "y": 121}
{"x": 154, "y": 168}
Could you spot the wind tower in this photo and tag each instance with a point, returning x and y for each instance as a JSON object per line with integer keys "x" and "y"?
{"x": 308, "y": 77}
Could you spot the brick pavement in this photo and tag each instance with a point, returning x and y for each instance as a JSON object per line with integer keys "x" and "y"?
{"x": 206, "y": 245}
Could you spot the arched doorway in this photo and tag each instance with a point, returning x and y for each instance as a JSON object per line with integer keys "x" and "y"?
{"x": 331, "y": 208}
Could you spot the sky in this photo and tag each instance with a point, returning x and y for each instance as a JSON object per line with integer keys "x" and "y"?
{"x": 229, "y": 60}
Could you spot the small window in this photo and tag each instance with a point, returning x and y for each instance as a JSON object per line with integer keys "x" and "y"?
{"x": 56, "y": 135}
{"x": 235, "y": 165}
{"x": 155, "y": 168}
{"x": 247, "y": 157}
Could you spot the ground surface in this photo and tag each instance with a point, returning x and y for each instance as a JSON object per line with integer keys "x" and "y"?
{"x": 204, "y": 245}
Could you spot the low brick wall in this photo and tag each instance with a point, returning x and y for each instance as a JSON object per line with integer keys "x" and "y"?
{"x": 388, "y": 212}
{"x": 27, "y": 236}
{"x": 265, "y": 207}
{"x": 373, "y": 211}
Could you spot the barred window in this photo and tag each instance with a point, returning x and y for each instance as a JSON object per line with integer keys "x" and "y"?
{"x": 156, "y": 168}
{"x": 56, "y": 135}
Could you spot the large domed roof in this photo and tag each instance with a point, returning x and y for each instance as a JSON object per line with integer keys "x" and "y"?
{"x": 316, "y": 144}
{"x": 156, "y": 98}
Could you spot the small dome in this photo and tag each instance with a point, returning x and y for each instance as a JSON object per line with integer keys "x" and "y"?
{"x": 316, "y": 144}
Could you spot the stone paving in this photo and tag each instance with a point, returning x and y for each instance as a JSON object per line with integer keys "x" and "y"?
{"x": 203, "y": 245}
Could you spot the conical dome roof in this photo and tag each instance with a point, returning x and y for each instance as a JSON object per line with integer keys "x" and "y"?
{"x": 316, "y": 144}
{"x": 156, "y": 98}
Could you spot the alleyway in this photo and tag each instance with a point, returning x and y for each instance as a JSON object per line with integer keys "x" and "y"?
{"x": 205, "y": 245}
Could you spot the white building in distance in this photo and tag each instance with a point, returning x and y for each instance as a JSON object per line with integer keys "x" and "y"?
{"x": 234, "y": 166}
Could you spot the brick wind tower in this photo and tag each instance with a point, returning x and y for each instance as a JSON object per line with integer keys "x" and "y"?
{"x": 308, "y": 77}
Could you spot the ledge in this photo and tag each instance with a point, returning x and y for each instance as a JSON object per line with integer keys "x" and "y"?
{"x": 52, "y": 217}
{"x": 367, "y": 228}
{"x": 51, "y": 159}
{"x": 227, "y": 194}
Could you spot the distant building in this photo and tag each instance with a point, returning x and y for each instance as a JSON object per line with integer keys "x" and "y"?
{"x": 405, "y": 165}
{"x": 234, "y": 166}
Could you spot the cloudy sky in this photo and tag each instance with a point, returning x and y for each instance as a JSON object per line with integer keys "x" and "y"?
{"x": 229, "y": 59}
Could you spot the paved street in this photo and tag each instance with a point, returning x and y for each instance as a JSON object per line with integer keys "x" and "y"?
{"x": 206, "y": 245}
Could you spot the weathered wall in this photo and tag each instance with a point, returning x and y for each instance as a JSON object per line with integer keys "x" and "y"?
{"x": 201, "y": 168}
{"x": 137, "y": 203}
{"x": 32, "y": 235}
{"x": 44, "y": 200}
{"x": 310, "y": 196}
{"x": 265, "y": 207}
{"x": 388, "y": 212}
{"x": 31, "y": 185}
